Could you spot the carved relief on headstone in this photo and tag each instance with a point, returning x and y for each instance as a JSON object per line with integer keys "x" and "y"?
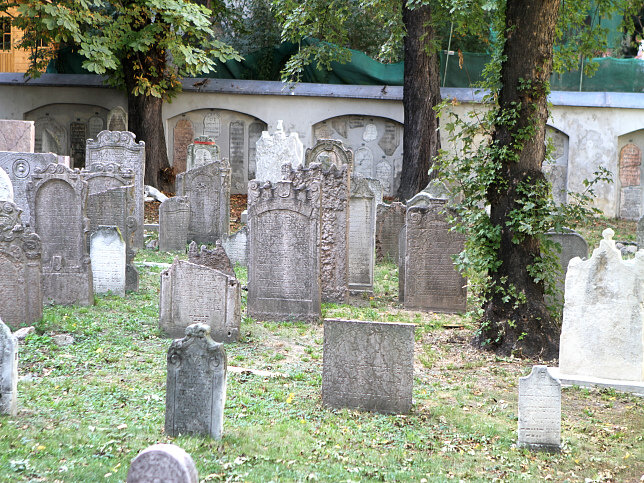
{"x": 50, "y": 136}
{"x": 368, "y": 365}
{"x": 8, "y": 371}
{"x": 254, "y": 133}
{"x": 216, "y": 258}
{"x": 275, "y": 150}
{"x": 184, "y": 134}
{"x": 162, "y": 463}
{"x": 389, "y": 220}
{"x": 117, "y": 119}
{"x": 329, "y": 152}
{"x": 174, "y": 219}
{"x": 236, "y": 132}
{"x": 384, "y": 174}
{"x": 77, "y": 140}
{"x": 212, "y": 125}
{"x": 20, "y": 267}
{"x": 107, "y": 252}
{"x": 201, "y": 152}
{"x": 17, "y": 136}
{"x": 57, "y": 197}
{"x": 539, "y": 411}
{"x": 283, "y": 278}
{"x": 236, "y": 246}
{"x": 196, "y": 385}
{"x": 6, "y": 186}
{"x": 192, "y": 293}
{"x": 370, "y": 133}
{"x": 362, "y": 236}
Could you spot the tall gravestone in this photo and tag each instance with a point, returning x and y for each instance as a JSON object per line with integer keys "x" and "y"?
{"x": 6, "y": 186}
{"x": 362, "y": 236}
{"x": 196, "y": 384}
{"x": 174, "y": 220}
{"x": 368, "y": 365}
{"x": 572, "y": 245}
{"x": 8, "y": 371}
{"x": 107, "y": 253}
{"x": 284, "y": 228}
{"x": 208, "y": 190}
{"x": 630, "y": 162}
{"x": 17, "y": 136}
{"x": 431, "y": 282}
{"x": 57, "y": 197}
{"x": 539, "y": 411}
{"x": 389, "y": 220}
{"x": 20, "y": 267}
{"x": 192, "y": 293}
{"x": 121, "y": 148}
{"x": 161, "y": 463}
{"x": 272, "y": 151}
{"x": 202, "y": 151}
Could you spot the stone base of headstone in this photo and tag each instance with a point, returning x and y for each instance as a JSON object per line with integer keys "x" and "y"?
{"x": 568, "y": 380}
{"x": 163, "y": 462}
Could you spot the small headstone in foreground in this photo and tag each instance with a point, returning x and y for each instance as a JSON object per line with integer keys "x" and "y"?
{"x": 196, "y": 384}
{"x": 174, "y": 218}
{"x": 539, "y": 411}
{"x": 163, "y": 463}
{"x": 8, "y": 371}
{"x": 107, "y": 252}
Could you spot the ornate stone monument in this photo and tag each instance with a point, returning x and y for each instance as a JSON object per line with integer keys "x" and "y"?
{"x": 174, "y": 219}
{"x": 107, "y": 252}
{"x": 539, "y": 411}
{"x": 162, "y": 463}
{"x": 8, "y": 371}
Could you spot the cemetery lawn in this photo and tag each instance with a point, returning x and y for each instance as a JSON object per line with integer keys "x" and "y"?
{"x": 87, "y": 409}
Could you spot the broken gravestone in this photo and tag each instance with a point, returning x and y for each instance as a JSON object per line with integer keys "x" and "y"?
{"x": 272, "y": 151}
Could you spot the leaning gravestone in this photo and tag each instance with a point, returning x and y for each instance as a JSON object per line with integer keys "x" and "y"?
{"x": 196, "y": 384}
{"x": 284, "y": 228}
{"x": 107, "y": 252}
{"x": 17, "y": 136}
{"x": 368, "y": 365}
{"x": 215, "y": 258}
{"x": 208, "y": 190}
{"x": 57, "y": 197}
{"x": 272, "y": 151}
{"x": 6, "y": 187}
{"x": 362, "y": 236}
{"x": 539, "y": 411}
{"x": 20, "y": 267}
{"x": 389, "y": 220}
{"x": 202, "y": 151}
{"x": 572, "y": 245}
{"x": 8, "y": 371}
{"x": 121, "y": 148}
{"x": 174, "y": 219}
{"x": 192, "y": 293}
{"x": 161, "y": 463}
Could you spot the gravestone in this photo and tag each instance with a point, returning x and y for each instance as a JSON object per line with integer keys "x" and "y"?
{"x": 572, "y": 245}
{"x": 368, "y": 365}
{"x": 107, "y": 252}
{"x": 539, "y": 411}
{"x": 192, "y": 293}
{"x": 120, "y": 147}
{"x": 17, "y": 136}
{"x": 362, "y": 236}
{"x": 329, "y": 152}
{"x": 196, "y": 384}
{"x": 8, "y": 371}
{"x": 254, "y": 133}
{"x": 57, "y": 197}
{"x": 20, "y": 267}
{"x": 161, "y": 463}
{"x": 216, "y": 258}
{"x": 117, "y": 119}
{"x": 630, "y": 161}
{"x": 272, "y": 151}
{"x": 6, "y": 187}
{"x": 184, "y": 134}
{"x": 389, "y": 220}
{"x": 50, "y": 136}
{"x": 640, "y": 233}
{"x": 284, "y": 229}
{"x": 236, "y": 246}
{"x": 431, "y": 282}
{"x": 236, "y": 135}
{"x": 77, "y": 139}
{"x": 19, "y": 167}
{"x": 95, "y": 124}
{"x": 208, "y": 190}
{"x": 202, "y": 151}
{"x": 174, "y": 219}
{"x": 376, "y": 186}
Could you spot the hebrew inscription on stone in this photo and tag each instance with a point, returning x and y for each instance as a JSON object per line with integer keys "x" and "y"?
{"x": 539, "y": 411}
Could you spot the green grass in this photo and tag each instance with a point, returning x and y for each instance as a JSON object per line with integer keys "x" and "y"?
{"x": 87, "y": 409}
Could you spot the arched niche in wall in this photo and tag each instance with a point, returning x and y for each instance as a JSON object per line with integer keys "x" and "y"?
{"x": 376, "y": 143}
{"x": 234, "y": 132}
{"x": 64, "y": 129}
{"x": 555, "y": 167}
{"x": 629, "y": 150}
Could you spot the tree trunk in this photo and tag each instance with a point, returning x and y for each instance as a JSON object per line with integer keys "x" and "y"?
{"x": 421, "y": 92}
{"x": 526, "y": 329}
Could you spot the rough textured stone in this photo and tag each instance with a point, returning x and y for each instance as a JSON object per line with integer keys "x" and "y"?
{"x": 216, "y": 258}
{"x": 368, "y": 365}
{"x": 202, "y": 151}
{"x": 163, "y": 463}
{"x": 602, "y": 333}
{"x": 283, "y": 275}
{"x": 539, "y": 411}
{"x": 51, "y": 136}
{"x": 17, "y": 136}
{"x": 192, "y": 293}
{"x": 174, "y": 219}
{"x": 362, "y": 236}
{"x": 184, "y": 133}
{"x": 196, "y": 384}
{"x": 328, "y": 152}
{"x": 117, "y": 119}
{"x": 572, "y": 245}
{"x": 640, "y": 233}
{"x": 8, "y": 371}
{"x": 272, "y": 151}
{"x": 389, "y": 220}
{"x": 107, "y": 252}
{"x": 6, "y": 187}
{"x": 236, "y": 246}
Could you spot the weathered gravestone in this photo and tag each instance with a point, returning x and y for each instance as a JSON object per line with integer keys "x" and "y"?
{"x": 539, "y": 411}
{"x": 174, "y": 219}
{"x": 272, "y": 151}
{"x": 216, "y": 258}
{"x": 20, "y": 267}
{"x": 107, "y": 252}
{"x": 572, "y": 245}
{"x": 162, "y": 463}
{"x": 368, "y": 365}
{"x": 431, "y": 282}
{"x": 389, "y": 220}
{"x": 328, "y": 152}
{"x": 17, "y": 136}
{"x": 19, "y": 167}
{"x": 208, "y": 190}
{"x": 362, "y": 236}
{"x": 284, "y": 228}
{"x": 196, "y": 384}
{"x": 8, "y": 371}
{"x": 630, "y": 161}
{"x": 183, "y": 134}
{"x": 6, "y": 187}
{"x": 117, "y": 119}
{"x": 57, "y": 197}
{"x": 236, "y": 246}
{"x": 202, "y": 151}
{"x": 120, "y": 147}
{"x": 192, "y": 293}
{"x": 640, "y": 233}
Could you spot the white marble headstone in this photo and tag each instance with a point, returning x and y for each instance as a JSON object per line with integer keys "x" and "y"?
{"x": 272, "y": 151}
{"x": 107, "y": 252}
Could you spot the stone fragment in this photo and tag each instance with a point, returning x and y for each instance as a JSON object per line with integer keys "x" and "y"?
{"x": 174, "y": 219}
{"x": 162, "y": 463}
{"x": 216, "y": 258}
{"x": 8, "y": 371}
{"x": 272, "y": 151}
{"x": 107, "y": 252}
{"x": 362, "y": 236}
{"x": 17, "y": 136}
{"x": 63, "y": 340}
{"x": 389, "y": 220}
{"x": 22, "y": 333}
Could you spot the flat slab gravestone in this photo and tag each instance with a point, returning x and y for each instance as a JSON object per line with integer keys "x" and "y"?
{"x": 539, "y": 411}
{"x": 174, "y": 219}
{"x": 389, "y": 220}
{"x": 107, "y": 252}
{"x": 18, "y": 136}
{"x": 362, "y": 236}
{"x": 8, "y": 371}
{"x": 196, "y": 385}
{"x": 163, "y": 463}
{"x": 192, "y": 293}
{"x": 368, "y": 365}
{"x": 272, "y": 151}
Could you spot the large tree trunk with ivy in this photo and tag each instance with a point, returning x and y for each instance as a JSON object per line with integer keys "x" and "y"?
{"x": 421, "y": 92}
{"x": 526, "y": 328}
